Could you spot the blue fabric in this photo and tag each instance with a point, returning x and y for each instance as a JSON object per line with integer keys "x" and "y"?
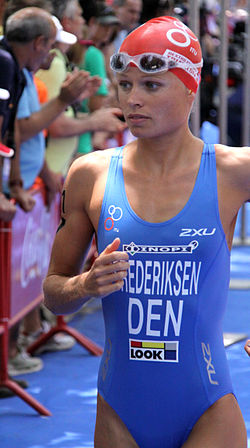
{"x": 32, "y": 150}
{"x": 164, "y": 362}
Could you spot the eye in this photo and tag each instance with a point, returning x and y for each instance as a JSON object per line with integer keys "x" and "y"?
{"x": 124, "y": 85}
{"x": 152, "y": 85}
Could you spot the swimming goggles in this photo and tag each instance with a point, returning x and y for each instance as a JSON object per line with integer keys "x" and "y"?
{"x": 155, "y": 63}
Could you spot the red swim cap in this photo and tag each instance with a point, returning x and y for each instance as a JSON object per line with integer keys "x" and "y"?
{"x": 170, "y": 37}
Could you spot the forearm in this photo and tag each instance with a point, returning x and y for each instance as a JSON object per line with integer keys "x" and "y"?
{"x": 15, "y": 172}
{"x": 64, "y": 295}
{"x": 49, "y": 177}
{"x": 45, "y": 173}
{"x": 66, "y": 126}
{"x": 104, "y": 119}
{"x": 41, "y": 119}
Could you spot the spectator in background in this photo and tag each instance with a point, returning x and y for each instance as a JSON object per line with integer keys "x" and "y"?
{"x": 236, "y": 66}
{"x": 18, "y": 50}
{"x": 66, "y": 129}
{"x": 128, "y": 13}
{"x": 33, "y": 149}
{"x": 32, "y": 161}
{"x": 11, "y": 81}
{"x": 100, "y": 25}
{"x": 209, "y": 77}
{"x": 12, "y": 78}
{"x": 156, "y": 8}
{"x": 26, "y": 30}
{"x": 27, "y": 45}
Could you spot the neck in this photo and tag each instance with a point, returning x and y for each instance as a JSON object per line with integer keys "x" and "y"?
{"x": 164, "y": 154}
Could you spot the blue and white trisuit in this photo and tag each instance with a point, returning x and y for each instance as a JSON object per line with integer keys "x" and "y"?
{"x": 164, "y": 361}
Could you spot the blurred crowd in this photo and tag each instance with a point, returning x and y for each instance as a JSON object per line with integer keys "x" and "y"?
{"x": 58, "y": 102}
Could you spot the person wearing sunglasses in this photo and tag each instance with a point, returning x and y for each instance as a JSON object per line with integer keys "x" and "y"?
{"x": 163, "y": 209}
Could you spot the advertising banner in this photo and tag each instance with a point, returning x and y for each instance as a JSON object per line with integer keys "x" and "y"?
{"x": 32, "y": 238}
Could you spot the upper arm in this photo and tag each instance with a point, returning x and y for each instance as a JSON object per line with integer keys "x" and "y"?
{"x": 75, "y": 231}
{"x": 23, "y": 109}
{"x": 84, "y": 187}
{"x": 241, "y": 171}
{"x": 234, "y": 169}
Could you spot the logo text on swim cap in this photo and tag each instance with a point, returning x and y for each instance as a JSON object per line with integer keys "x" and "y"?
{"x": 182, "y": 30}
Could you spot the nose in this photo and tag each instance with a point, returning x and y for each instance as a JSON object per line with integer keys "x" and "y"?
{"x": 135, "y": 98}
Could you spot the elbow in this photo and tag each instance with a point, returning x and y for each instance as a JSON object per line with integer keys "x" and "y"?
{"x": 25, "y": 135}
{"x": 61, "y": 127}
{"x": 47, "y": 303}
{"x": 48, "y": 298}
{"x": 50, "y": 305}
{"x": 56, "y": 131}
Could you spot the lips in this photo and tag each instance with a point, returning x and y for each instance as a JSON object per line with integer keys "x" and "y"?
{"x": 137, "y": 117}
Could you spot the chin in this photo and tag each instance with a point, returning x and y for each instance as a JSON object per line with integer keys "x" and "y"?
{"x": 142, "y": 133}
{"x": 137, "y": 133}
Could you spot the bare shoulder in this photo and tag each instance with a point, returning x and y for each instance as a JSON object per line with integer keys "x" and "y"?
{"x": 85, "y": 185}
{"x": 232, "y": 157}
{"x": 86, "y": 170}
{"x": 90, "y": 165}
{"x": 233, "y": 165}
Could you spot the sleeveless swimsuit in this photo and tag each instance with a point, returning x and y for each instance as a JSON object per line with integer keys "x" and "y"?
{"x": 164, "y": 361}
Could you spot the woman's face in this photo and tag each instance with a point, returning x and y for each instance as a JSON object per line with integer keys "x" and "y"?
{"x": 153, "y": 105}
{"x": 100, "y": 34}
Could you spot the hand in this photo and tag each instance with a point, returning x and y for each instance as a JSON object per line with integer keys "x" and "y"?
{"x": 99, "y": 140}
{"x": 78, "y": 85}
{"x": 105, "y": 119}
{"x": 107, "y": 272}
{"x": 92, "y": 86}
{"x": 23, "y": 197}
{"x": 7, "y": 209}
{"x": 247, "y": 347}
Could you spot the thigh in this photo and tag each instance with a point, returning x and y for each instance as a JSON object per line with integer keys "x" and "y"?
{"x": 221, "y": 426}
{"x": 110, "y": 431}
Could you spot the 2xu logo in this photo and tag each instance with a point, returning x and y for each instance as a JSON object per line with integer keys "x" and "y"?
{"x": 208, "y": 359}
{"x": 197, "y": 232}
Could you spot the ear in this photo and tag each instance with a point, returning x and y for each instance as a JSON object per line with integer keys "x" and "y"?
{"x": 38, "y": 42}
{"x": 190, "y": 94}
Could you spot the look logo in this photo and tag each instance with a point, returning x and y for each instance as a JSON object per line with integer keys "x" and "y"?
{"x": 115, "y": 215}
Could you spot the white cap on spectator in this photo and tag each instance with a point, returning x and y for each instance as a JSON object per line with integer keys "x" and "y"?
{"x": 63, "y": 36}
{"x": 4, "y": 94}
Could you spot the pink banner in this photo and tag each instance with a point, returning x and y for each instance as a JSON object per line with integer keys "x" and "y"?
{"x": 32, "y": 237}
